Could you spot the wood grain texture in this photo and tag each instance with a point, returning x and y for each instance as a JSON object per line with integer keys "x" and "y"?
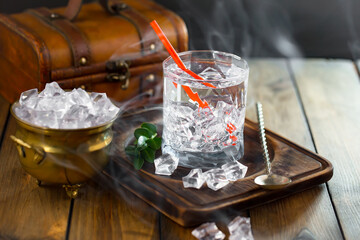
{"x": 102, "y": 213}
{"x": 270, "y": 83}
{"x": 330, "y": 90}
{"x": 4, "y": 111}
{"x": 28, "y": 211}
{"x": 172, "y": 231}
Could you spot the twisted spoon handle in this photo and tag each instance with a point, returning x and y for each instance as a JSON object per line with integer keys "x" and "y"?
{"x": 260, "y": 117}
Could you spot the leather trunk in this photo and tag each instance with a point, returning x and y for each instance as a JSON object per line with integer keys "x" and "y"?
{"x": 108, "y": 48}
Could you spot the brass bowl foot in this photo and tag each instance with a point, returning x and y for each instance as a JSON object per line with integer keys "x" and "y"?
{"x": 72, "y": 190}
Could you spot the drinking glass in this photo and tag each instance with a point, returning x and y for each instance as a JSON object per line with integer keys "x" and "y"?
{"x": 204, "y": 118}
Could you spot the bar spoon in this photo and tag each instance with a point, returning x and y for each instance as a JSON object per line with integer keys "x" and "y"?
{"x": 269, "y": 180}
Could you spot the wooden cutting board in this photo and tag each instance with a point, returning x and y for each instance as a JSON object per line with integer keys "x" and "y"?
{"x": 189, "y": 207}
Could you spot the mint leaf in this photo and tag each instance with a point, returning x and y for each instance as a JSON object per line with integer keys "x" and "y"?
{"x": 131, "y": 151}
{"x": 142, "y": 141}
{"x": 150, "y": 127}
{"x": 141, "y": 147}
{"x": 138, "y": 163}
{"x": 148, "y": 155}
{"x": 142, "y": 132}
{"x": 145, "y": 145}
{"x": 154, "y": 143}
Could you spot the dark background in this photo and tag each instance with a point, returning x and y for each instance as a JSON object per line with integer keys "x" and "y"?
{"x": 259, "y": 28}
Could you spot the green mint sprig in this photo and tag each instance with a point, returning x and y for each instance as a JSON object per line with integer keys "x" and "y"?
{"x": 145, "y": 145}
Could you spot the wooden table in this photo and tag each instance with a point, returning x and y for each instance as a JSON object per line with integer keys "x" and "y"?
{"x": 313, "y": 102}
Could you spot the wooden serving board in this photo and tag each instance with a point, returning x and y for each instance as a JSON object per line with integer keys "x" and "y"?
{"x": 189, "y": 207}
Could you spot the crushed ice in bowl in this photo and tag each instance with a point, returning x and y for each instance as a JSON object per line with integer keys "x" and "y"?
{"x": 56, "y": 108}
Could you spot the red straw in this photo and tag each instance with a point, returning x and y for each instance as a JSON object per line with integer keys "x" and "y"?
{"x": 193, "y": 96}
{"x": 174, "y": 54}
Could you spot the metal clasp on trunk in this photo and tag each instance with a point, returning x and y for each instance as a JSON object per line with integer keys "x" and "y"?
{"x": 118, "y": 72}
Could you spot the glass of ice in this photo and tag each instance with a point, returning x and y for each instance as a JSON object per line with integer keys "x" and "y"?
{"x": 204, "y": 119}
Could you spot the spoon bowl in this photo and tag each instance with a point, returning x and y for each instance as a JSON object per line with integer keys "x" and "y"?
{"x": 272, "y": 181}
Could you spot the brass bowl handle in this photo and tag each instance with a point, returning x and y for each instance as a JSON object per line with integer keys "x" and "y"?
{"x": 39, "y": 153}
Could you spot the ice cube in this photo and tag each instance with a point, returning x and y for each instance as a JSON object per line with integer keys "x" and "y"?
{"x": 208, "y": 231}
{"x": 75, "y": 117}
{"x": 240, "y": 229}
{"x": 77, "y": 112}
{"x": 46, "y": 119}
{"x": 68, "y": 123}
{"x": 80, "y": 97}
{"x": 166, "y": 164}
{"x": 211, "y": 74}
{"x": 223, "y": 109}
{"x": 93, "y": 120}
{"x": 29, "y": 98}
{"x": 214, "y": 131}
{"x": 24, "y": 113}
{"x": 103, "y": 106}
{"x": 194, "y": 179}
{"x": 216, "y": 179}
{"x": 56, "y": 103}
{"x": 51, "y": 90}
{"x": 234, "y": 170}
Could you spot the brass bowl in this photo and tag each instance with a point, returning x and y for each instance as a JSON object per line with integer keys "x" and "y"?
{"x": 62, "y": 156}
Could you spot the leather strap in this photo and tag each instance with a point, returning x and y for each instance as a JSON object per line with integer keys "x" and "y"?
{"x": 72, "y": 9}
{"x": 176, "y": 21}
{"x": 77, "y": 41}
{"x": 150, "y": 43}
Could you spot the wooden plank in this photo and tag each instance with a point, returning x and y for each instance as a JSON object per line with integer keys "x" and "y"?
{"x": 173, "y": 231}
{"x": 330, "y": 91}
{"x": 101, "y": 213}
{"x": 270, "y": 83}
{"x": 4, "y": 110}
{"x": 28, "y": 211}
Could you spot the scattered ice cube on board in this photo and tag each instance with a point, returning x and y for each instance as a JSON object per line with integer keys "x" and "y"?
{"x": 166, "y": 164}
{"x": 208, "y": 231}
{"x": 216, "y": 179}
{"x": 240, "y": 229}
{"x": 195, "y": 179}
{"x": 234, "y": 170}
